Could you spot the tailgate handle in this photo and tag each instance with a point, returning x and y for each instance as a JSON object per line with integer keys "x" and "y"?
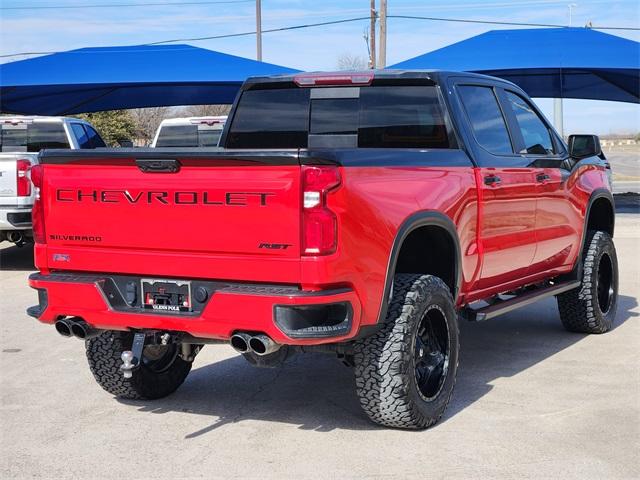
{"x": 159, "y": 165}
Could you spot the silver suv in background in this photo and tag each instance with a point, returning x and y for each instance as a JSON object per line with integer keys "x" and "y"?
{"x": 21, "y": 138}
{"x": 190, "y": 132}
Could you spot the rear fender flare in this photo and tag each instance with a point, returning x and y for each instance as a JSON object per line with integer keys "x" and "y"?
{"x": 417, "y": 220}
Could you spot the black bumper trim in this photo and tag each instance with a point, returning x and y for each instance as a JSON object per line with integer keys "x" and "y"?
{"x": 323, "y": 320}
{"x": 36, "y": 311}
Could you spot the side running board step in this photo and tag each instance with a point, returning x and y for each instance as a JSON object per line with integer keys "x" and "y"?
{"x": 503, "y": 306}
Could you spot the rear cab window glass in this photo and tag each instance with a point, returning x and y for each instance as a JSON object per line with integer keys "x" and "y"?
{"x": 80, "y": 134}
{"x": 188, "y": 136}
{"x": 334, "y": 116}
{"x": 209, "y": 137}
{"x": 32, "y": 137}
{"x": 95, "y": 141}
{"x": 376, "y": 117}
{"x": 535, "y": 133}
{"x": 271, "y": 118}
{"x": 178, "y": 136}
{"x": 485, "y": 116}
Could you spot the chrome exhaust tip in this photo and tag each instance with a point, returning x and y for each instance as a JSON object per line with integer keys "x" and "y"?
{"x": 15, "y": 237}
{"x": 263, "y": 345}
{"x": 240, "y": 342}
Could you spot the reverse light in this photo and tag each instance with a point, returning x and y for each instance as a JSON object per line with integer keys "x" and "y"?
{"x": 23, "y": 184}
{"x": 37, "y": 211}
{"x": 319, "y": 223}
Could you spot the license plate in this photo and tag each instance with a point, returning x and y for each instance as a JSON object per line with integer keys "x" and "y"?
{"x": 173, "y": 296}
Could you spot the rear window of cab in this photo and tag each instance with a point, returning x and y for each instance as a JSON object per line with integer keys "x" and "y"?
{"x": 367, "y": 117}
{"x": 32, "y": 137}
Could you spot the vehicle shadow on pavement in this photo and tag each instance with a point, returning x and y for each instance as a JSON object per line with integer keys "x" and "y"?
{"x": 17, "y": 258}
{"x": 316, "y": 392}
{"x": 508, "y": 345}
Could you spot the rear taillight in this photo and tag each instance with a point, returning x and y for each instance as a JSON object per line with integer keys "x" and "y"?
{"x": 23, "y": 184}
{"x": 37, "y": 212}
{"x": 319, "y": 223}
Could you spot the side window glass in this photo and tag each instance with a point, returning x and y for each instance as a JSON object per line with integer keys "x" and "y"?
{"x": 537, "y": 139}
{"x": 486, "y": 119}
{"x": 80, "y": 134}
{"x": 95, "y": 141}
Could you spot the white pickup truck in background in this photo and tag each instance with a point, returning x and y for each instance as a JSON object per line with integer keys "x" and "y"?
{"x": 21, "y": 138}
{"x": 190, "y": 132}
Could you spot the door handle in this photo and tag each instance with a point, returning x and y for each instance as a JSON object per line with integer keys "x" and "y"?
{"x": 492, "y": 180}
{"x": 542, "y": 177}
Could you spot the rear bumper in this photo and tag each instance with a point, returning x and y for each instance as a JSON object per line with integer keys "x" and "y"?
{"x": 15, "y": 218}
{"x": 288, "y": 315}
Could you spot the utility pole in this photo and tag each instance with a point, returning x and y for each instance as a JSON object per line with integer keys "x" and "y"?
{"x": 258, "y": 30}
{"x": 558, "y": 107}
{"x": 382, "y": 58}
{"x": 372, "y": 35}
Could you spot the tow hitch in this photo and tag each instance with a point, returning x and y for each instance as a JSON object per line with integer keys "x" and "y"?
{"x": 155, "y": 349}
{"x": 131, "y": 358}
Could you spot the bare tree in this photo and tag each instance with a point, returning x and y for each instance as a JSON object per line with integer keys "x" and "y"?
{"x": 147, "y": 121}
{"x": 206, "y": 110}
{"x": 348, "y": 61}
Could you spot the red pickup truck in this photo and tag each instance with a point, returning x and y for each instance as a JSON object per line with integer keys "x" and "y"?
{"x": 359, "y": 213}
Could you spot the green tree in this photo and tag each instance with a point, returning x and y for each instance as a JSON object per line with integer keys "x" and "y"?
{"x": 113, "y": 125}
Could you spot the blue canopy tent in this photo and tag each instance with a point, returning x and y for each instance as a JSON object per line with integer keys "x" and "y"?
{"x": 547, "y": 62}
{"x": 94, "y": 79}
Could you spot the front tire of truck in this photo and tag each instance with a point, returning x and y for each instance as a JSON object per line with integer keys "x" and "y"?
{"x": 160, "y": 373}
{"x": 405, "y": 372}
{"x": 591, "y": 308}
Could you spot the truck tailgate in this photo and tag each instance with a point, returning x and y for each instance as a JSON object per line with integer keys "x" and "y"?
{"x": 8, "y": 187}
{"x": 220, "y": 215}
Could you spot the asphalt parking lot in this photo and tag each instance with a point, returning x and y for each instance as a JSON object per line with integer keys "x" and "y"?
{"x": 532, "y": 401}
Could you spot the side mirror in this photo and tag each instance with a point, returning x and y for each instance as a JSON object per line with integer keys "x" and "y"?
{"x": 125, "y": 143}
{"x": 583, "y": 146}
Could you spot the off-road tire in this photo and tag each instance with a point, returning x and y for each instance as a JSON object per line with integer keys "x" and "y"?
{"x": 580, "y": 308}
{"x": 385, "y": 368}
{"x": 103, "y": 354}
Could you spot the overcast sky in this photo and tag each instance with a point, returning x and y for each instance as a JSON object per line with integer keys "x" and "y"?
{"x": 313, "y": 48}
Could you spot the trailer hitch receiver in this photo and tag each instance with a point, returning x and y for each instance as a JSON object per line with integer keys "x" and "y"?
{"x": 131, "y": 359}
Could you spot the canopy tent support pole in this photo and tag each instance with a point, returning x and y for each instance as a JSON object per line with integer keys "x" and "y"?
{"x": 259, "y": 30}
{"x": 558, "y": 116}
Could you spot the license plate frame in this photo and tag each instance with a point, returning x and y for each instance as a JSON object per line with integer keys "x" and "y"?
{"x": 164, "y": 295}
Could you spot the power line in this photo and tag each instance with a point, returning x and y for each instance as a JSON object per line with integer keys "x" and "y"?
{"x": 270, "y": 30}
{"x": 117, "y": 5}
{"x": 485, "y": 22}
{"x": 215, "y": 37}
{"x": 495, "y": 22}
{"x": 347, "y": 20}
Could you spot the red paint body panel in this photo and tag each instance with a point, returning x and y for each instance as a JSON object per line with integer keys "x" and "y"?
{"x": 510, "y": 235}
{"x": 223, "y": 315}
{"x": 507, "y": 224}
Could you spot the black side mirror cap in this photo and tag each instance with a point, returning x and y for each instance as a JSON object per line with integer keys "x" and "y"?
{"x": 583, "y": 146}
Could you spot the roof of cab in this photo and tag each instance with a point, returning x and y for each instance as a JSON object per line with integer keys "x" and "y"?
{"x": 192, "y": 120}
{"x": 437, "y": 76}
{"x": 37, "y": 118}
